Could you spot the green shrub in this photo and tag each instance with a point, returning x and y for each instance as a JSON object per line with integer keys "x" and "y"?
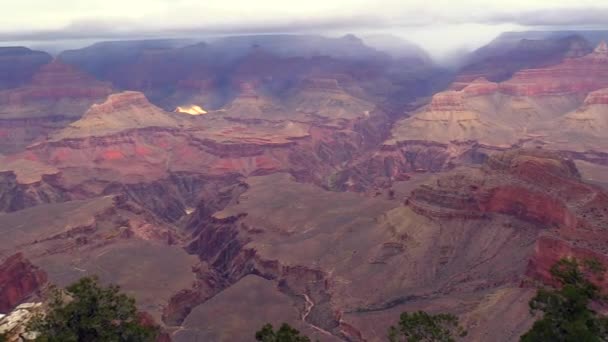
{"x": 86, "y": 311}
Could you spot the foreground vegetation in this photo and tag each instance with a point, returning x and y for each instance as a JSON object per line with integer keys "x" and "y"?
{"x": 286, "y": 333}
{"x": 87, "y": 311}
{"x": 566, "y": 311}
{"x": 418, "y": 326}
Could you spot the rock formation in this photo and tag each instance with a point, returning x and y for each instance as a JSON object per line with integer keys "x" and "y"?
{"x": 448, "y": 118}
{"x": 533, "y": 186}
{"x": 574, "y": 75}
{"x": 583, "y": 129}
{"x": 19, "y": 280}
{"x": 55, "y": 90}
{"x": 56, "y": 95}
{"x": 13, "y": 325}
{"x": 500, "y": 59}
{"x": 120, "y": 112}
{"x": 19, "y": 64}
{"x": 314, "y": 186}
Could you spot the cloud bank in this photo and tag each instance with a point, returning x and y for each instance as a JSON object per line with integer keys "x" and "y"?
{"x": 467, "y": 22}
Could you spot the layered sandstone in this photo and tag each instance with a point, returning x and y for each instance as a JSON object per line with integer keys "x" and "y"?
{"x": 120, "y": 112}
{"x": 19, "y": 64}
{"x": 451, "y": 117}
{"x": 335, "y": 289}
{"x": 574, "y": 75}
{"x": 19, "y": 279}
{"x": 584, "y": 128}
{"x": 251, "y": 104}
{"x": 532, "y": 186}
{"x": 56, "y": 95}
{"x": 500, "y": 59}
{"x": 327, "y": 98}
{"x": 57, "y": 89}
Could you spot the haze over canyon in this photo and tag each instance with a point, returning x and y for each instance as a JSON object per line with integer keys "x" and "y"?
{"x": 326, "y": 173}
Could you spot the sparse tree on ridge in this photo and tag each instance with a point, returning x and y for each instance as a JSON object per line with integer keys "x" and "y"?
{"x": 87, "y": 311}
{"x": 566, "y": 311}
{"x": 286, "y": 333}
{"x": 423, "y": 327}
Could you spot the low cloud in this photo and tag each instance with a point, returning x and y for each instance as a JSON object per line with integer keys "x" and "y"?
{"x": 469, "y": 25}
{"x": 563, "y": 17}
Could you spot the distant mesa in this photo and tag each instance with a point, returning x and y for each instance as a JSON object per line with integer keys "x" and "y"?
{"x": 574, "y": 75}
{"x": 120, "y": 112}
{"x": 602, "y": 48}
{"x": 19, "y": 64}
{"x": 190, "y": 109}
{"x": 584, "y": 128}
{"x": 55, "y": 89}
{"x": 450, "y": 117}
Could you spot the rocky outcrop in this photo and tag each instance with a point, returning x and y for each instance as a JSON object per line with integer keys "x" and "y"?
{"x": 574, "y": 75}
{"x": 549, "y": 250}
{"x": 500, "y": 59}
{"x": 597, "y": 97}
{"x": 451, "y": 117}
{"x": 13, "y": 326}
{"x": 533, "y": 186}
{"x": 56, "y": 89}
{"x": 19, "y": 64}
{"x": 219, "y": 243}
{"x": 19, "y": 280}
{"x": 480, "y": 87}
{"x": 120, "y": 112}
{"x": 16, "y": 196}
{"x": 56, "y": 95}
{"x": 583, "y": 129}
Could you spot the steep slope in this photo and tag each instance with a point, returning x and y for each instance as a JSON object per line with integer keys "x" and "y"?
{"x": 209, "y": 74}
{"x": 56, "y": 95}
{"x": 574, "y": 75}
{"x": 452, "y": 117}
{"x": 469, "y": 238}
{"x": 583, "y": 129}
{"x": 503, "y": 57}
{"x": 327, "y": 98}
{"x": 19, "y": 64}
{"x": 19, "y": 280}
{"x": 120, "y": 112}
{"x": 108, "y": 236}
{"x": 57, "y": 89}
{"x": 463, "y": 124}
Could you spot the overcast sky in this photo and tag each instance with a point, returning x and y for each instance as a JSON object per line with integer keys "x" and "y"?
{"x": 437, "y": 25}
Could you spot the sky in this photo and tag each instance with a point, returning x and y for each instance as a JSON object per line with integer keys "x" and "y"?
{"x": 439, "y": 26}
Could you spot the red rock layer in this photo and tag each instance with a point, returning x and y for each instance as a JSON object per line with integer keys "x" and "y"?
{"x": 248, "y": 89}
{"x": 56, "y": 81}
{"x": 18, "y": 65}
{"x": 574, "y": 75}
{"x": 528, "y": 205}
{"x": 498, "y": 61}
{"x": 533, "y": 186}
{"x": 479, "y": 87}
{"x": 549, "y": 250}
{"x": 597, "y": 97}
{"x": 321, "y": 84}
{"x": 447, "y": 101}
{"x": 18, "y": 280}
{"x": 121, "y": 102}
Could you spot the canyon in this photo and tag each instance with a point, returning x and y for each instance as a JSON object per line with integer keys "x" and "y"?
{"x": 315, "y": 181}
